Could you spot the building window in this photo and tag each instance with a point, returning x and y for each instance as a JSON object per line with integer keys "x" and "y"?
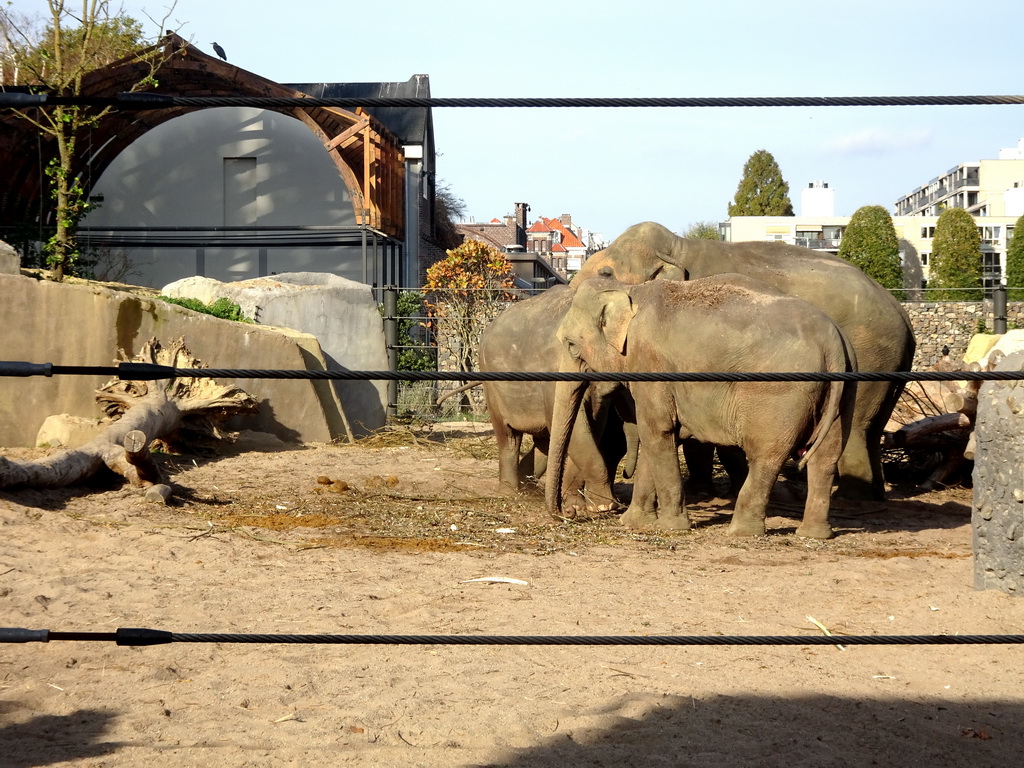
{"x": 924, "y": 259}
{"x": 927, "y": 233}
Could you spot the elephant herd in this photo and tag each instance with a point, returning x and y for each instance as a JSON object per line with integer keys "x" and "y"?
{"x": 656, "y": 302}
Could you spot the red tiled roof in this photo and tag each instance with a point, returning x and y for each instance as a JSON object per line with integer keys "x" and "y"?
{"x": 558, "y": 248}
{"x": 539, "y": 226}
{"x": 569, "y": 238}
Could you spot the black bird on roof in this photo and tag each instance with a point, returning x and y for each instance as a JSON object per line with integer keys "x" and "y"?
{"x": 220, "y": 51}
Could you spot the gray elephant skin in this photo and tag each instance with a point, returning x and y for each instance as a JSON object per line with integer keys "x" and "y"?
{"x": 723, "y": 323}
{"x": 522, "y": 338}
{"x": 870, "y": 317}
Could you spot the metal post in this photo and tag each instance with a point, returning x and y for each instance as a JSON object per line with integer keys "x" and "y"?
{"x": 391, "y": 342}
{"x": 999, "y": 309}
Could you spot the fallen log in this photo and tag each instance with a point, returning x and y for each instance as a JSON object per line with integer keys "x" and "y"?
{"x": 912, "y": 434}
{"x": 141, "y": 412}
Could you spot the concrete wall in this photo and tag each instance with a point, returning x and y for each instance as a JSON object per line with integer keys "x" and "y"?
{"x": 66, "y": 324}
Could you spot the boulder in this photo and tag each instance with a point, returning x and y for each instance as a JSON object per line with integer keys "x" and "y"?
{"x": 62, "y": 430}
{"x": 342, "y": 314}
{"x": 10, "y": 261}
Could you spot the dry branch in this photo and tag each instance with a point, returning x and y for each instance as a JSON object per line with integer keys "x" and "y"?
{"x": 141, "y": 412}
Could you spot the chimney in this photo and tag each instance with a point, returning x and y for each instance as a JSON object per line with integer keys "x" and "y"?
{"x": 521, "y": 210}
{"x": 566, "y": 220}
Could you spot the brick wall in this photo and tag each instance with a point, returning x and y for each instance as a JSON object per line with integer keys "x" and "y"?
{"x": 952, "y": 323}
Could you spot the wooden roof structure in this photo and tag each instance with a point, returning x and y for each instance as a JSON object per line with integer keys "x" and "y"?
{"x": 367, "y": 155}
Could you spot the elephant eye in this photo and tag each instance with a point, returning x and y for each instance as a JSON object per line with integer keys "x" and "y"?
{"x": 574, "y": 349}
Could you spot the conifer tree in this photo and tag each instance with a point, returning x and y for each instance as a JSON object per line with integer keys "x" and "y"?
{"x": 762, "y": 191}
{"x": 870, "y": 243}
{"x": 1015, "y": 263}
{"x": 956, "y": 257}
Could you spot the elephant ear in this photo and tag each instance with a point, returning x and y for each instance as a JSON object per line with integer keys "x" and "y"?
{"x": 617, "y": 313}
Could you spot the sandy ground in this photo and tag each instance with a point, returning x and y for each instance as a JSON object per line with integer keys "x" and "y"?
{"x": 383, "y": 538}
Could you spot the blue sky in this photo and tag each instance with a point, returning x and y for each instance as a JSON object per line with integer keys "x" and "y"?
{"x": 611, "y": 168}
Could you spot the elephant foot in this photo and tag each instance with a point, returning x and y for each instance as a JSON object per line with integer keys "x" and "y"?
{"x": 857, "y": 489}
{"x": 815, "y": 531}
{"x": 674, "y": 523}
{"x": 699, "y": 492}
{"x": 740, "y": 528}
{"x": 638, "y": 518}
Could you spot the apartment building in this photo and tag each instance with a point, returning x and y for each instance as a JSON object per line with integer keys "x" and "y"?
{"x": 990, "y": 190}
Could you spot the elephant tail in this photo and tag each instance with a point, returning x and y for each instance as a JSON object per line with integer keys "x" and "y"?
{"x": 829, "y": 420}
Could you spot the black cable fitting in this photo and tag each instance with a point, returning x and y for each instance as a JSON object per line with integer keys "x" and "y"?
{"x": 22, "y": 100}
{"x": 15, "y": 368}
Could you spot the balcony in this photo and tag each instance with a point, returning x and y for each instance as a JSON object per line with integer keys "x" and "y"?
{"x": 818, "y": 243}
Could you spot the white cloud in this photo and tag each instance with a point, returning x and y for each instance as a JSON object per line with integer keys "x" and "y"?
{"x": 879, "y": 141}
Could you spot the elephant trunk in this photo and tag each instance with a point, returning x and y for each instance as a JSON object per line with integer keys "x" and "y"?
{"x": 568, "y": 397}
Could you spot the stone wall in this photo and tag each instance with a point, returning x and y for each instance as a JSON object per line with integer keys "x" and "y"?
{"x": 998, "y": 509}
{"x": 952, "y": 323}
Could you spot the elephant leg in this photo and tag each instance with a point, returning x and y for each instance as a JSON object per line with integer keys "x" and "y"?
{"x": 586, "y": 455}
{"x": 668, "y": 481}
{"x": 821, "y": 473}
{"x": 752, "y": 501}
{"x": 509, "y": 443}
{"x": 734, "y": 461}
{"x": 641, "y": 512}
{"x": 860, "y": 468}
{"x": 535, "y": 462}
{"x": 700, "y": 460}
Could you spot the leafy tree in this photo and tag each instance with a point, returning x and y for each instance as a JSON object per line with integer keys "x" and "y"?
{"x": 870, "y": 243}
{"x": 956, "y": 257}
{"x": 464, "y": 292}
{"x": 1015, "y": 263}
{"x": 762, "y": 191}
{"x": 55, "y": 61}
{"x": 702, "y": 230}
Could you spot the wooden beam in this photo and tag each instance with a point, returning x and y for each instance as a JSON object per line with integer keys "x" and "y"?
{"x": 347, "y": 136}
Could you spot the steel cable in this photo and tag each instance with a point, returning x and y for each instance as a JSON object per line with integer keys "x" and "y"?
{"x": 153, "y": 372}
{"x": 144, "y": 637}
{"x": 143, "y": 101}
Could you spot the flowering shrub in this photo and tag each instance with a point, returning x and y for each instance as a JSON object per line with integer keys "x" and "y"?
{"x": 463, "y": 293}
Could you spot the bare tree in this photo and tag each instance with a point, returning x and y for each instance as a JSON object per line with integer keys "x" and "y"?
{"x": 53, "y": 56}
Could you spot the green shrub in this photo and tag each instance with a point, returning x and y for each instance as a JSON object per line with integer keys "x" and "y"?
{"x": 223, "y": 308}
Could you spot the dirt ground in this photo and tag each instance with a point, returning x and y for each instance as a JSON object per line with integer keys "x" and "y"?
{"x": 386, "y": 537}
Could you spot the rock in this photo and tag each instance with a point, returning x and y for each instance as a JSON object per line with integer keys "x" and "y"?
{"x": 979, "y": 347}
{"x": 342, "y": 314}
{"x": 999, "y": 485}
{"x": 10, "y": 261}
{"x": 63, "y": 430}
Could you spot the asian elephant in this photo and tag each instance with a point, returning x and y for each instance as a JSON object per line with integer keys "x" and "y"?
{"x": 725, "y": 323}
{"x": 522, "y": 338}
{"x": 870, "y": 317}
